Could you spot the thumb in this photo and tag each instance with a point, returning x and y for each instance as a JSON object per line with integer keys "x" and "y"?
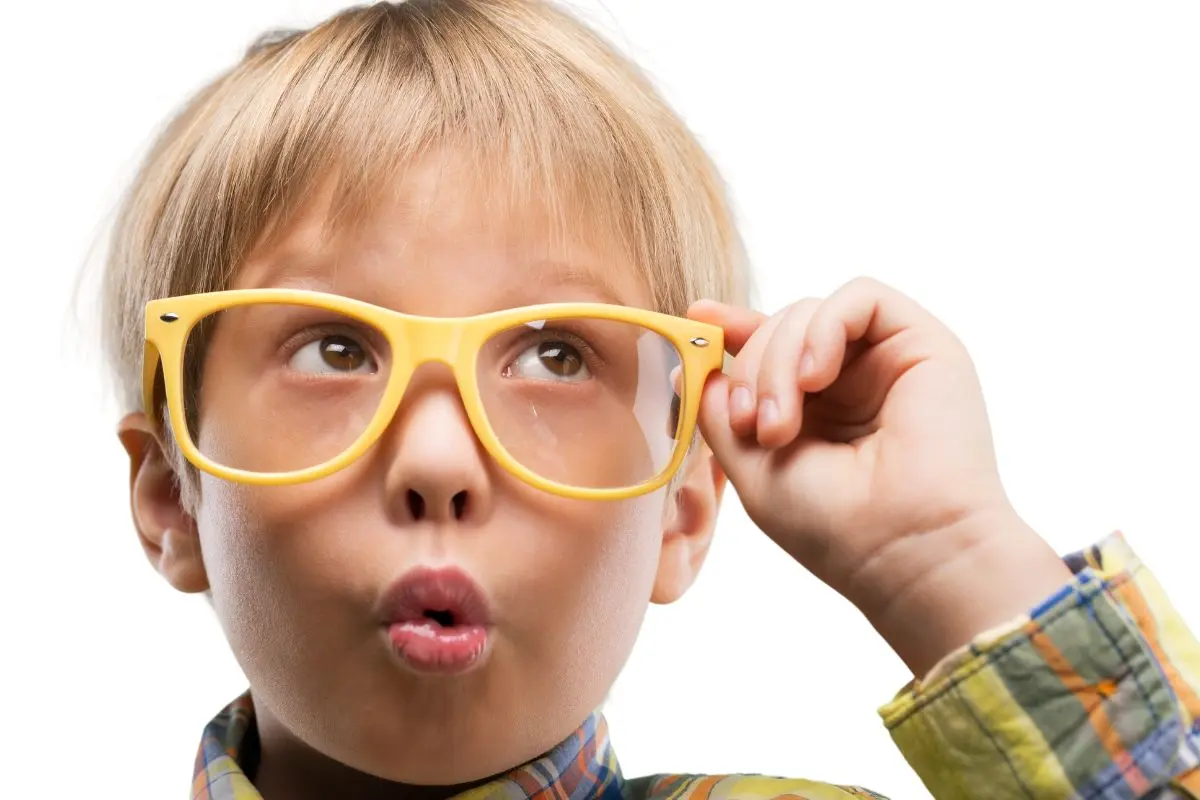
{"x": 730, "y": 450}
{"x": 738, "y": 323}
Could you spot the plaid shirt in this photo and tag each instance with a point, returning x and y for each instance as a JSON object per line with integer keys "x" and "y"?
{"x": 1094, "y": 695}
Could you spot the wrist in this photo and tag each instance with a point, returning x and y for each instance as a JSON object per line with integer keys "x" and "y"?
{"x": 970, "y": 577}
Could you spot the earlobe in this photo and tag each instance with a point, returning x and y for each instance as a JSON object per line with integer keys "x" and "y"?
{"x": 688, "y": 525}
{"x": 166, "y": 530}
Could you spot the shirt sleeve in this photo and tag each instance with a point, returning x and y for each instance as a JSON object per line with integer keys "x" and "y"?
{"x": 1094, "y": 694}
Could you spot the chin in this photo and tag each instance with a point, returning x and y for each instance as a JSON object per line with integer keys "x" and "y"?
{"x": 448, "y": 765}
{"x": 448, "y": 742}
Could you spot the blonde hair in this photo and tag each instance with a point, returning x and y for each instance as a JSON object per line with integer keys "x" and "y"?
{"x": 531, "y": 95}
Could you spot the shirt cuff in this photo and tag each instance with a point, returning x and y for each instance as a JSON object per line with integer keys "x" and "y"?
{"x": 1094, "y": 693}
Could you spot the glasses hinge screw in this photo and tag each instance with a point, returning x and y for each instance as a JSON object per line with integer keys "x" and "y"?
{"x": 169, "y": 317}
{"x": 700, "y": 341}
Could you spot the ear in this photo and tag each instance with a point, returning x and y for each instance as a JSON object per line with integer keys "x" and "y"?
{"x": 167, "y": 532}
{"x": 688, "y": 524}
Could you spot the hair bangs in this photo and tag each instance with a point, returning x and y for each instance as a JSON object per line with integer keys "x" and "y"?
{"x": 543, "y": 114}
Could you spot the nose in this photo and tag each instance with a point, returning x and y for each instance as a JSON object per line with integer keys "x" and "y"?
{"x": 437, "y": 470}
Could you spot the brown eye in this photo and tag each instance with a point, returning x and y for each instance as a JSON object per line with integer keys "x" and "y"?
{"x": 333, "y": 354}
{"x": 560, "y": 358}
{"x": 550, "y": 360}
{"x": 342, "y": 353}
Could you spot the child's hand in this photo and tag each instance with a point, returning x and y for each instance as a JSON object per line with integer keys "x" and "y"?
{"x": 855, "y": 433}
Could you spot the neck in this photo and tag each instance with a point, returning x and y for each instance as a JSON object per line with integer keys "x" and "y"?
{"x": 288, "y": 768}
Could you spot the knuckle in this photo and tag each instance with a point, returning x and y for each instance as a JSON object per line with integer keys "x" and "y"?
{"x": 866, "y": 283}
{"x": 805, "y": 304}
{"x": 766, "y": 383}
{"x": 740, "y": 370}
{"x": 800, "y": 314}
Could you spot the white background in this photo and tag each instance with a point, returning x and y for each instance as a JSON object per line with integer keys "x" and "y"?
{"x": 1030, "y": 171}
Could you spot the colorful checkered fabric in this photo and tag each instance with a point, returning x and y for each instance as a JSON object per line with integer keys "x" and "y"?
{"x": 1095, "y": 695}
{"x": 1092, "y": 695}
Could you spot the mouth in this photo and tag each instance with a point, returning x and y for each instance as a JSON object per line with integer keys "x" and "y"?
{"x": 443, "y": 618}
{"x": 437, "y": 621}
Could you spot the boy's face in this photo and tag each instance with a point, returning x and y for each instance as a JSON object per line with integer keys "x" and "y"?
{"x": 299, "y": 574}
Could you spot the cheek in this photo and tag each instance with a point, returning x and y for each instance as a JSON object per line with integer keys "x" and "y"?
{"x": 588, "y": 594}
{"x": 284, "y": 578}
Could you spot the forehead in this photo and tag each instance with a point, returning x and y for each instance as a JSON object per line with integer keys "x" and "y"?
{"x": 442, "y": 241}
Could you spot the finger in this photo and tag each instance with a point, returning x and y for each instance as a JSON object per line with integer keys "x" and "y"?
{"x": 738, "y": 323}
{"x": 863, "y": 309}
{"x": 780, "y": 400}
{"x": 729, "y": 447}
{"x": 743, "y": 378}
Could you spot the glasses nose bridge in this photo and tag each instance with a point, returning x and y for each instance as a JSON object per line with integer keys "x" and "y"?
{"x": 432, "y": 340}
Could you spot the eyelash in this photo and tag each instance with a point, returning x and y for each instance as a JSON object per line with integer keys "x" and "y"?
{"x": 313, "y": 333}
{"x": 591, "y": 357}
{"x": 309, "y": 334}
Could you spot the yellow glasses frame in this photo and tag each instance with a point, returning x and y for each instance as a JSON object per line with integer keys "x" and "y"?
{"x": 414, "y": 340}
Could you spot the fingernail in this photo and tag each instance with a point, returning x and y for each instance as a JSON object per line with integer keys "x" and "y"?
{"x": 768, "y": 412}
{"x": 741, "y": 401}
{"x": 807, "y": 364}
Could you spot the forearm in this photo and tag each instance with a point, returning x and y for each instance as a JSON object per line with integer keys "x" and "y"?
{"x": 995, "y": 568}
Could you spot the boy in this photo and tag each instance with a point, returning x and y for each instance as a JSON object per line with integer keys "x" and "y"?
{"x": 399, "y": 304}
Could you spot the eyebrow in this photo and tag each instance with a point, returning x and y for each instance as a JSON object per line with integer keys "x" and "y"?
{"x": 292, "y": 271}
{"x": 549, "y": 279}
{"x": 562, "y": 275}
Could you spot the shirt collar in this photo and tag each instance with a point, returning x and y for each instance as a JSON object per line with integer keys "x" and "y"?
{"x": 581, "y": 766}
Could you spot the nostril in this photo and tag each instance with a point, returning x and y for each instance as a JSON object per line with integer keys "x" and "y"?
{"x": 460, "y": 504}
{"x": 416, "y": 504}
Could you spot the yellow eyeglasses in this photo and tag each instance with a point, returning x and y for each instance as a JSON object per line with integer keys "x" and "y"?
{"x": 281, "y": 386}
